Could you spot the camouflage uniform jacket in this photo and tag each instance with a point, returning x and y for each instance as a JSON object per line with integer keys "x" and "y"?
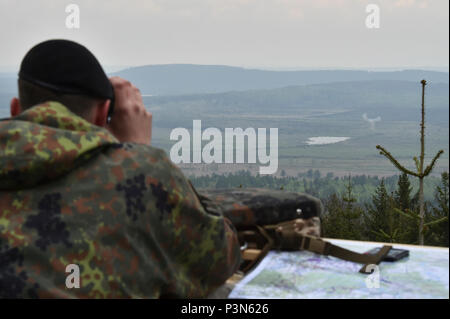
{"x": 70, "y": 193}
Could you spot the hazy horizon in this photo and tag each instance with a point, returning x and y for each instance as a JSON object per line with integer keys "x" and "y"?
{"x": 274, "y": 34}
{"x": 114, "y": 68}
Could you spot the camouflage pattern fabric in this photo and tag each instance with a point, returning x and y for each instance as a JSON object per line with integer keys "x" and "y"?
{"x": 266, "y": 219}
{"x": 256, "y": 206}
{"x": 70, "y": 193}
{"x": 304, "y": 227}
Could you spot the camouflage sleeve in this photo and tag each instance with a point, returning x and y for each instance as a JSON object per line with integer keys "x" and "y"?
{"x": 200, "y": 249}
{"x": 128, "y": 218}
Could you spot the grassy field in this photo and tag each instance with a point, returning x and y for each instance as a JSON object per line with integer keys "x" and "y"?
{"x": 357, "y": 155}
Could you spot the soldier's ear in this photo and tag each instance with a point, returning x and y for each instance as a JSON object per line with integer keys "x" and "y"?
{"x": 15, "y": 108}
{"x": 101, "y": 112}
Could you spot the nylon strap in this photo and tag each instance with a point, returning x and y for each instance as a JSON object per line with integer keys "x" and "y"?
{"x": 322, "y": 247}
{"x": 287, "y": 238}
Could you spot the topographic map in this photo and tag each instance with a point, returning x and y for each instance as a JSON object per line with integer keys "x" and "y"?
{"x": 302, "y": 274}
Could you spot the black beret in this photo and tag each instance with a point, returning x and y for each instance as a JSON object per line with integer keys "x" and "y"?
{"x": 66, "y": 67}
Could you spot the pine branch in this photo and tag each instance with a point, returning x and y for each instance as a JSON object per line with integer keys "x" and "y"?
{"x": 437, "y": 221}
{"x": 395, "y": 162}
{"x": 380, "y": 234}
{"x": 394, "y": 235}
{"x": 430, "y": 167}
{"x": 384, "y": 234}
{"x": 411, "y": 216}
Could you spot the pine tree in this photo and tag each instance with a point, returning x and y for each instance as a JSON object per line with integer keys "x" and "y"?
{"x": 439, "y": 231}
{"x": 343, "y": 217}
{"x": 332, "y": 219}
{"x": 352, "y": 214}
{"x": 348, "y": 197}
{"x": 376, "y": 217}
{"x": 421, "y": 172}
{"x": 403, "y": 192}
{"x": 403, "y": 202}
{"x": 381, "y": 221}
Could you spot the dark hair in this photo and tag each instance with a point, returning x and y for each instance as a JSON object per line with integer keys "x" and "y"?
{"x": 31, "y": 95}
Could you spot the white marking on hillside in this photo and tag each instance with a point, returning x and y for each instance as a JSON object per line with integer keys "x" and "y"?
{"x": 322, "y": 140}
{"x": 371, "y": 121}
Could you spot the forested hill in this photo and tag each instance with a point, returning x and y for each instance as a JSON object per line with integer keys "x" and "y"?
{"x": 186, "y": 79}
{"x": 393, "y": 100}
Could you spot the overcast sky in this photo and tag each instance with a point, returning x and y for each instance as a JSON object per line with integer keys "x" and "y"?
{"x": 250, "y": 33}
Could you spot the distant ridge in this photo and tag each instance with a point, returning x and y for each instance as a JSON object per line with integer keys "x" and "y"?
{"x": 393, "y": 100}
{"x": 177, "y": 79}
{"x": 181, "y": 79}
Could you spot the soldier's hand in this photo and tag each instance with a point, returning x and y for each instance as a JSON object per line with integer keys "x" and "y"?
{"x": 131, "y": 122}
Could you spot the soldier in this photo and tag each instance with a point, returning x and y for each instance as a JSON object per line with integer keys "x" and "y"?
{"x": 80, "y": 192}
